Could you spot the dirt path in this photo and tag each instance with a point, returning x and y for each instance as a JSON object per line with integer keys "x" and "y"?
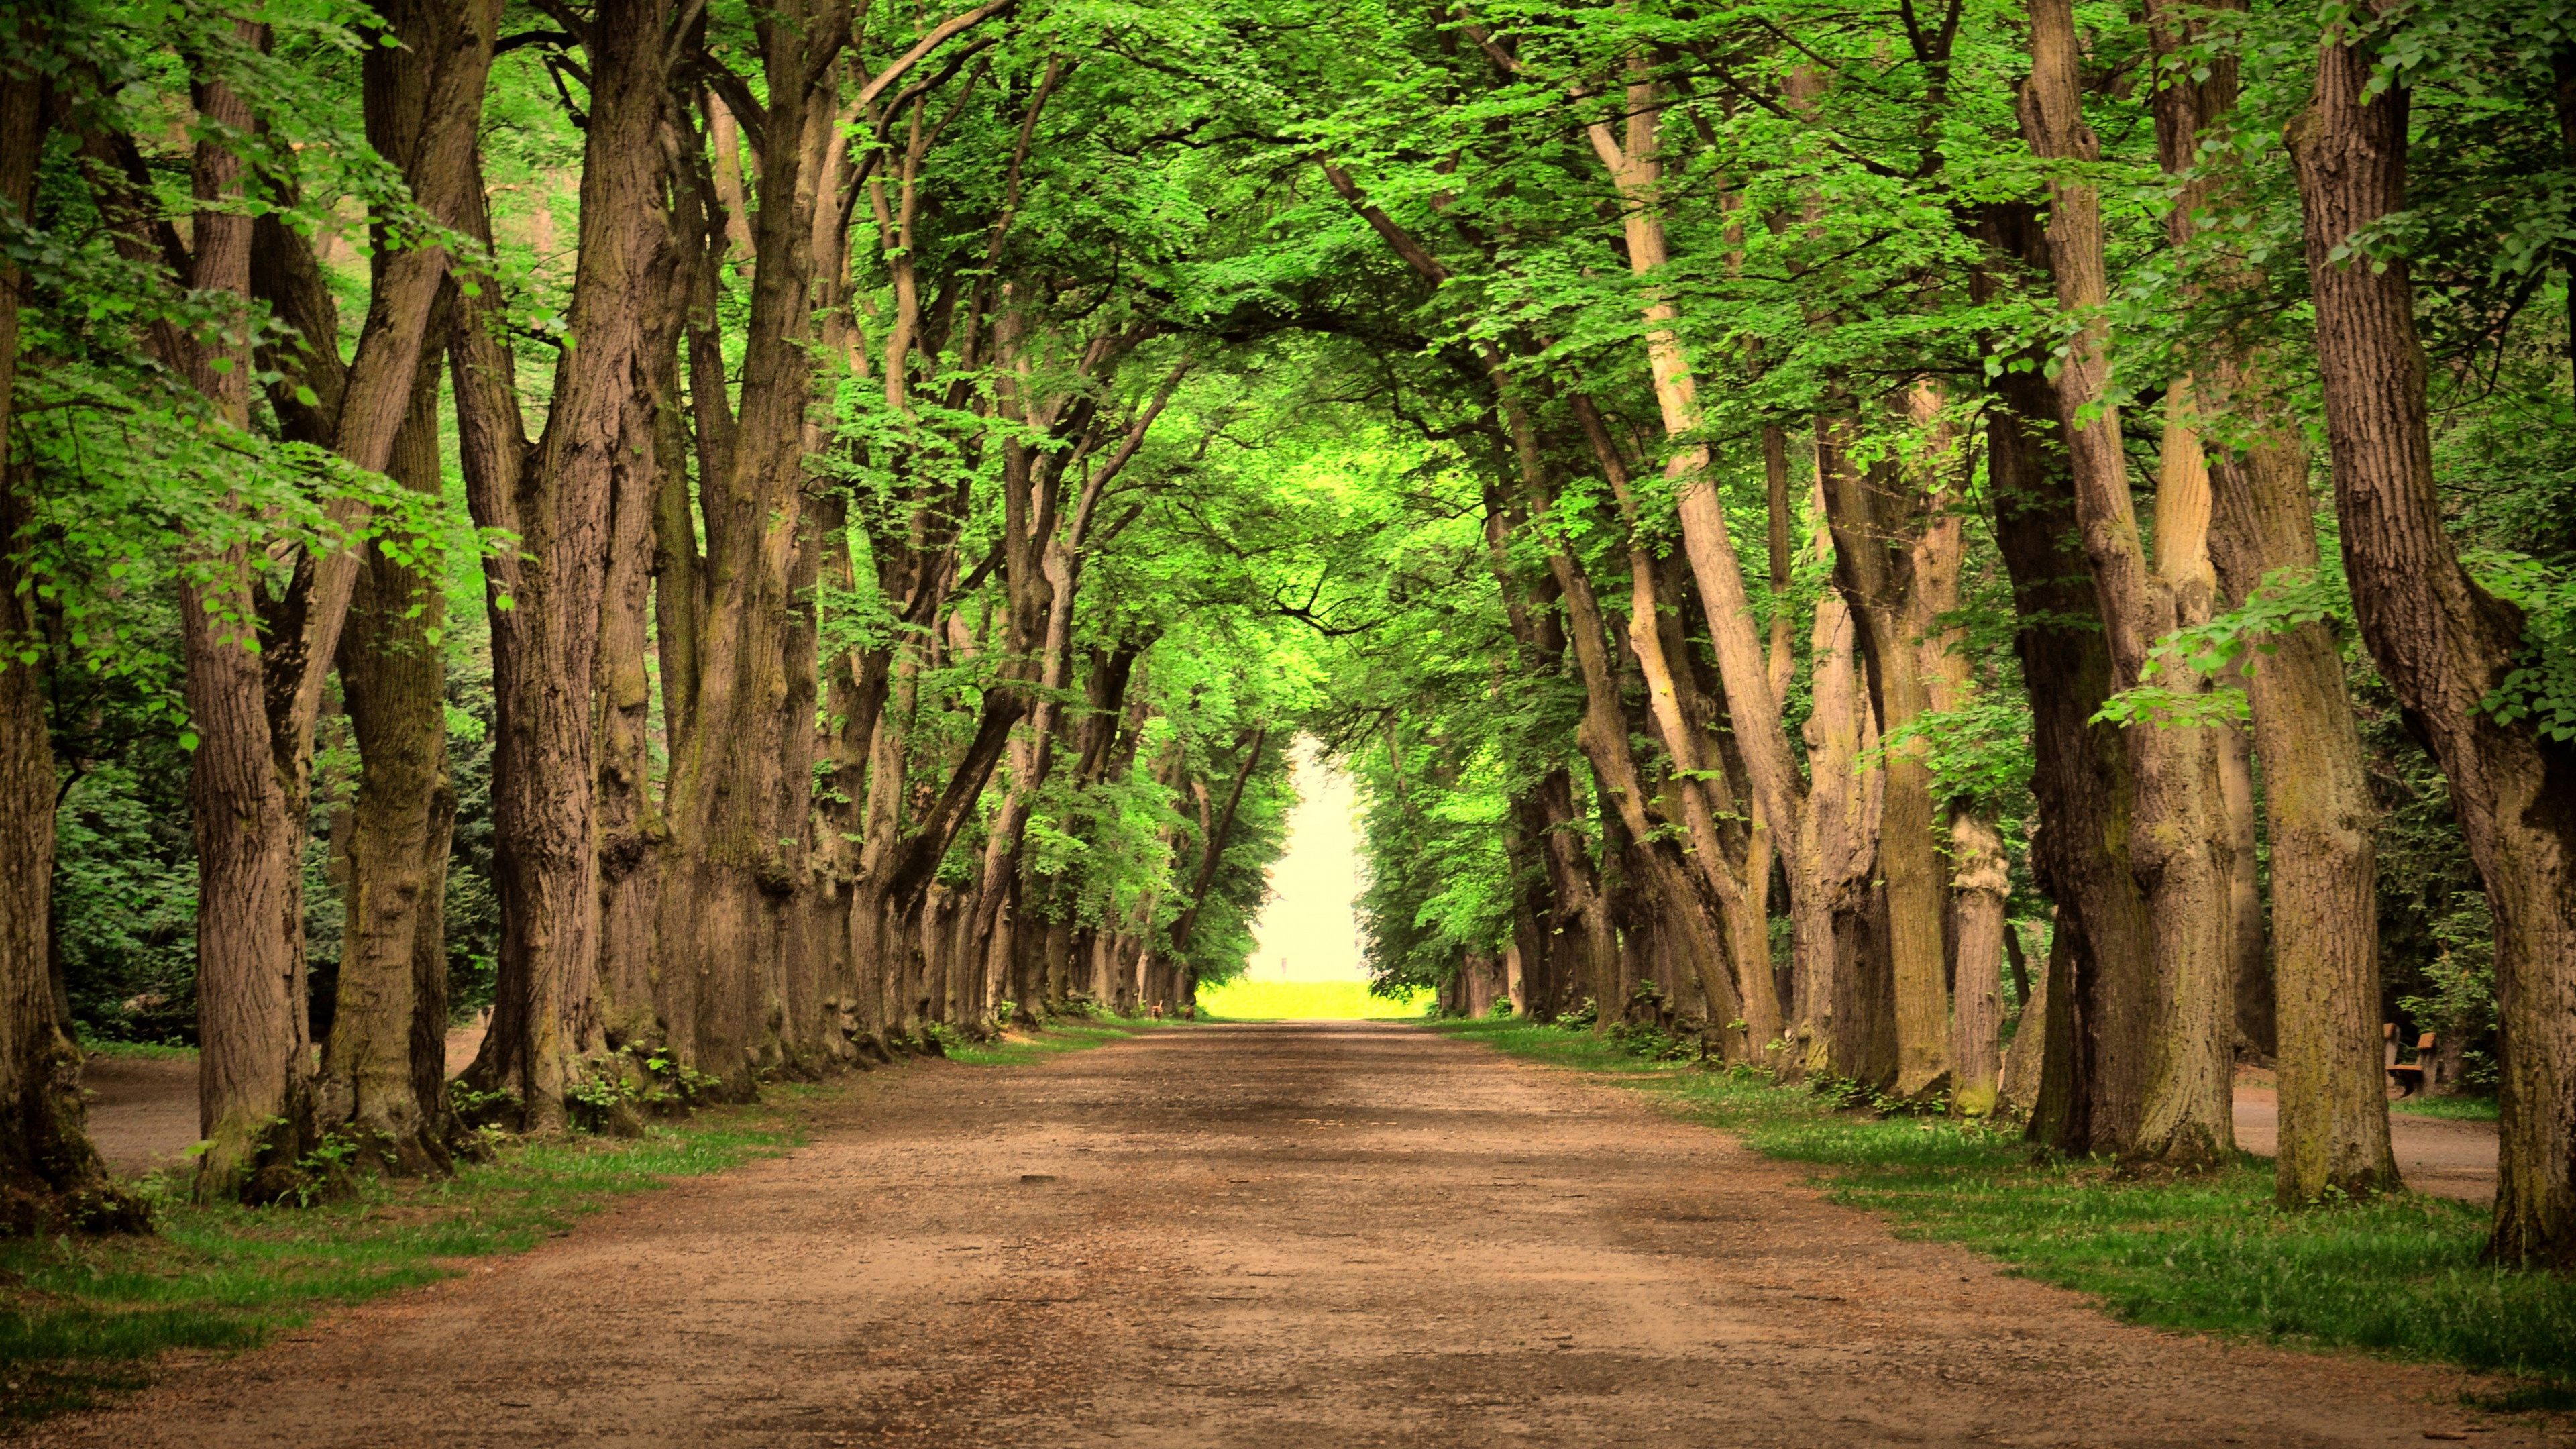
{"x": 143, "y": 1110}
{"x": 2435, "y": 1154}
{"x": 1290, "y": 1236}
{"x": 143, "y": 1115}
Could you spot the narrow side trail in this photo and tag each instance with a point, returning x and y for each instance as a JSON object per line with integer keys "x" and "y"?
{"x": 1289, "y": 1236}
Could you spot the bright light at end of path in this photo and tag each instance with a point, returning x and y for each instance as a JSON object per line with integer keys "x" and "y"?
{"x": 1310, "y": 931}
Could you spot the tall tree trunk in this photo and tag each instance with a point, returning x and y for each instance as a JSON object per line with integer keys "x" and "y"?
{"x": 2098, "y": 987}
{"x": 628, "y": 822}
{"x": 2325, "y": 914}
{"x": 736, "y": 815}
{"x": 2181, "y": 845}
{"x": 251, "y": 1068}
{"x": 1873, "y": 517}
{"x": 546, "y": 1026}
{"x": 50, "y": 1177}
{"x": 394, "y": 681}
{"x": 1844, "y": 1026}
{"x": 1980, "y": 880}
{"x": 2188, "y": 99}
{"x": 2442, "y": 642}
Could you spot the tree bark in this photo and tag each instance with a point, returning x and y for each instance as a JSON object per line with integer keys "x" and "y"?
{"x": 2181, "y": 843}
{"x": 1979, "y": 883}
{"x": 50, "y": 1176}
{"x": 555, "y": 496}
{"x": 1697, "y": 786}
{"x": 2025, "y": 1066}
{"x": 1874, "y": 522}
{"x": 2097, "y": 991}
{"x": 2442, "y": 642}
{"x": 393, "y": 679}
{"x": 2249, "y": 934}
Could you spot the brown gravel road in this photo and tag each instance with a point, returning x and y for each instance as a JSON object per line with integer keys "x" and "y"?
{"x": 1286, "y": 1236}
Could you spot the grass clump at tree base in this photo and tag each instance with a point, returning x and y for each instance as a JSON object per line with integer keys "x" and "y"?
{"x": 1244, "y": 1000}
{"x": 2398, "y": 1275}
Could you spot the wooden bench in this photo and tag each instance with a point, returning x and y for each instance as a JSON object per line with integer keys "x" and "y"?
{"x": 2408, "y": 1077}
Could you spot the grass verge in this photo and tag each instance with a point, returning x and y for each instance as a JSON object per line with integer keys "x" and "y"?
{"x": 2398, "y": 1276}
{"x": 2448, "y": 1109}
{"x": 82, "y": 1318}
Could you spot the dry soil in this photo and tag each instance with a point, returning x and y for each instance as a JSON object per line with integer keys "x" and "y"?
{"x": 1281, "y": 1236}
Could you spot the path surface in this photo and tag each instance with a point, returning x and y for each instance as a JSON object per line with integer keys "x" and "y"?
{"x": 143, "y": 1115}
{"x": 2434, "y": 1154}
{"x": 143, "y": 1110}
{"x": 1289, "y": 1236}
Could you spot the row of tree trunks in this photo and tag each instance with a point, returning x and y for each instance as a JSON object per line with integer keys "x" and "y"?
{"x": 1631, "y": 155}
{"x": 1701, "y": 786}
{"x": 1877, "y": 516}
{"x": 1845, "y": 1022}
{"x": 1559, "y": 917}
{"x": 1690, "y": 904}
{"x": 255, "y": 691}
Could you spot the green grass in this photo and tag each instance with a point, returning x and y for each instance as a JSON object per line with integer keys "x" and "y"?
{"x": 1241, "y": 1000}
{"x": 2398, "y": 1276}
{"x": 2449, "y": 1109}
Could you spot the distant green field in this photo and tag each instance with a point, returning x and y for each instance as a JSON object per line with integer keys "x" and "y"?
{"x": 1304, "y": 1001}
